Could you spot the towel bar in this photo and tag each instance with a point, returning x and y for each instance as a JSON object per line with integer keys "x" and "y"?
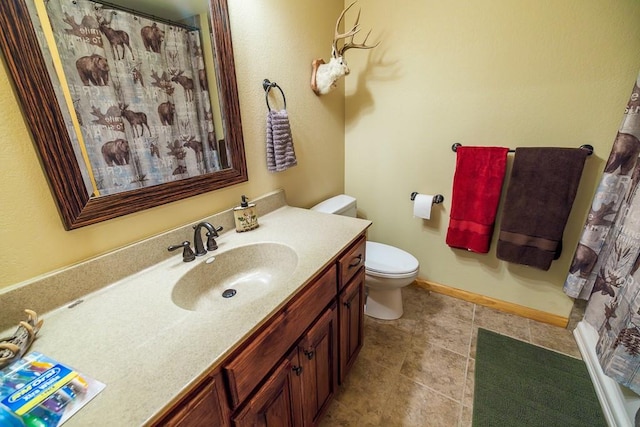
{"x": 267, "y": 85}
{"x": 437, "y": 199}
{"x": 587, "y": 147}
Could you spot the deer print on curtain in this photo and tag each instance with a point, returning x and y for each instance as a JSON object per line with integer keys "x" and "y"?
{"x": 140, "y": 94}
{"x": 605, "y": 267}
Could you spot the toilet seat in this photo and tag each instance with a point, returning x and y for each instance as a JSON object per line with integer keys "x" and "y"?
{"x": 389, "y": 262}
{"x": 390, "y": 276}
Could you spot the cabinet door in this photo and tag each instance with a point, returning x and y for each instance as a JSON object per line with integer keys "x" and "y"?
{"x": 278, "y": 402}
{"x": 351, "y": 307}
{"x": 318, "y": 353}
{"x": 205, "y": 407}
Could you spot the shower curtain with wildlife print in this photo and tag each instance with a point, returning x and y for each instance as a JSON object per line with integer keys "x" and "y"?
{"x": 139, "y": 92}
{"x": 604, "y": 269}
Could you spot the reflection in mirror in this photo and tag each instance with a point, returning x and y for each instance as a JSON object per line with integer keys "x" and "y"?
{"x": 138, "y": 112}
{"x": 140, "y": 98}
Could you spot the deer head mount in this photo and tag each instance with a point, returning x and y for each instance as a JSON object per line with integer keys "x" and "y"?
{"x": 324, "y": 76}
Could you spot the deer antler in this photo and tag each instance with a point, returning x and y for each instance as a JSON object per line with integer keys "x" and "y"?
{"x": 362, "y": 45}
{"x": 336, "y": 34}
{"x": 173, "y": 58}
{"x": 163, "y": 82}
{"x": 184, "y": 127}
{"x": 100, "y": 117}
{"x": 102, "y": 15}
{"x": 349, "y": 34}
{"x": 75, "y": 27}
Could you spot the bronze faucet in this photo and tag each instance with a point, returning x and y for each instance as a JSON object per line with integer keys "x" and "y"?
{"x": 188, "y": 254}
{"x": 211, "y": 233}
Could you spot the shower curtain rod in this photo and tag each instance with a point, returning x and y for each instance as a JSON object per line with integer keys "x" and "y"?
{"x": 587, "y": 147}
{"x": 145, "y": 15}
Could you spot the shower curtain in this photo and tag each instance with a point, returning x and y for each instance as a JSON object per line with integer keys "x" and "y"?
{"x": 139, "y": 93}
{"x": 605, "y": 267}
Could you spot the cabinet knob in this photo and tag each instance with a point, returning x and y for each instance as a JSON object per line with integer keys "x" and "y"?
{"x": 309, "y": 354}
{"x": 347, "y": 304}
{"x": 356, "y": 261}
{"x": 297, "y": 370}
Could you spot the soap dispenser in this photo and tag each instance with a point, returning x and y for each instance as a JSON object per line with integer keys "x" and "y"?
{"x": 245, "y": 216}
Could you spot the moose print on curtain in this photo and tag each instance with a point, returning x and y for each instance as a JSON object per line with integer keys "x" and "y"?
{"x": 605, "y": 267}
{"x": 140, "y": 94}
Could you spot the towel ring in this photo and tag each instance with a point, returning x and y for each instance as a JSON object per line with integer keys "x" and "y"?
{"x": 267, "y": 85}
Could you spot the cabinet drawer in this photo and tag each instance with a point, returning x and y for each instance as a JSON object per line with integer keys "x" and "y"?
{"x": 350, "y": 262}
{"x": 246, "y": 370}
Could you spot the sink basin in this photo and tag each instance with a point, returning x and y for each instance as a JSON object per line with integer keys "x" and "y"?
{"x": 244, "y": 274}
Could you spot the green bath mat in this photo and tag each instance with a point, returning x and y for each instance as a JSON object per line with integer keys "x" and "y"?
{"x": 520, "y": 384}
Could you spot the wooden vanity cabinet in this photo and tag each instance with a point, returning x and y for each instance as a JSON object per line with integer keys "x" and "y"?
{"x": 301, "y": 387}
{"x": 203, "y": 407}
{"x": 287, "y": 373}
{"x": 306, "y": 378}
{"x": 351, "y": 306}
{"x": 247, "y": 369}
{"x": 351, "y": 299}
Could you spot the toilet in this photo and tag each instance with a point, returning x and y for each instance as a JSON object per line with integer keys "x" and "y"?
{"x": 387, "y": 269}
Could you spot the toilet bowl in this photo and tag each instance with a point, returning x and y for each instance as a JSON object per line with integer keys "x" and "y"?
{"x": 387, "y": 269}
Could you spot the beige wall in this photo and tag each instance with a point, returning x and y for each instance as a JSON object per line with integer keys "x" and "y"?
{"x": 492, "y": 72}
{"x": 274, "y": 39}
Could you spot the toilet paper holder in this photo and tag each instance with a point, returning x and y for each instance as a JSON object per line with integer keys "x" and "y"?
{"x": 437, "y": 199}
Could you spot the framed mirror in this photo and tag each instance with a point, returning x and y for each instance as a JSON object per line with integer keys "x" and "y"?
{"x": 102, "y": 178}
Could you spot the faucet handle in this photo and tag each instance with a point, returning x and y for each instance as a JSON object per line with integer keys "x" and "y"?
{"x": 187, "y": 252}
{"x": 215, "y": 230}
{"x": 211, "y": 242}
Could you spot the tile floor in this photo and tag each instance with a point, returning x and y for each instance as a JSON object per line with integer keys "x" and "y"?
{"x": 419, "y": 370}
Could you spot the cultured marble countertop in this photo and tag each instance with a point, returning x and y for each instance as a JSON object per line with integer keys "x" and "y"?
{"x": 148, "y": 351}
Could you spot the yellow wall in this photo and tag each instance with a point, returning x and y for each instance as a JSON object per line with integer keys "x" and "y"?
{"x": 492, "y": 72}
{"x": 485, "y": 72}
{"x": 274, "y": 39}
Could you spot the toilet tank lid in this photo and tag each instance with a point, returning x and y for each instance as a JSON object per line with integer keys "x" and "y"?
{"x": 336, "y": 204}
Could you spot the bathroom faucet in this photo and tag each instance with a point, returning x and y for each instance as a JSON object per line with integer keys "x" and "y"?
{"x": 211, "y": 233}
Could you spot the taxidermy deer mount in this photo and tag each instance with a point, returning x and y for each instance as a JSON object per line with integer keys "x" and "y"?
{"x": 324, "y": 76}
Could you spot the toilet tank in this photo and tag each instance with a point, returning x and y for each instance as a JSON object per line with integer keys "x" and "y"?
{"x": 338, "y": 205}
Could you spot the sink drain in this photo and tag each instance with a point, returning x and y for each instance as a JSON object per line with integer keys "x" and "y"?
{"x": 228, "y": 293}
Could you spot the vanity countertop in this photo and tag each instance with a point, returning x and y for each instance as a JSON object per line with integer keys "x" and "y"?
{"x": 147, "y": 350}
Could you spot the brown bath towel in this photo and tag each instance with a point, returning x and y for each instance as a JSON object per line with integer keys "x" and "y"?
{"x": 541, "y": 191}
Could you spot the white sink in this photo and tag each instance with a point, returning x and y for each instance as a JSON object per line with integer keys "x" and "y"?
{"x": 244, "y": 275}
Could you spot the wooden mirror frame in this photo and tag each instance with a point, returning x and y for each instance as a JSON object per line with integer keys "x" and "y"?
{"x": 43, "y": 114}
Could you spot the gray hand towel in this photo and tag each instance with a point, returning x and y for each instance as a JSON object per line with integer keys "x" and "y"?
{"x": 280, "y": 152}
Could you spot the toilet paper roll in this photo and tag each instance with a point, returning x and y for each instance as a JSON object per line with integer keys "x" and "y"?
{"x": 422, "y": 205}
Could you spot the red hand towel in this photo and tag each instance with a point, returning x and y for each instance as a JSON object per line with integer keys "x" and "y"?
{"x": 477, "y": 185}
